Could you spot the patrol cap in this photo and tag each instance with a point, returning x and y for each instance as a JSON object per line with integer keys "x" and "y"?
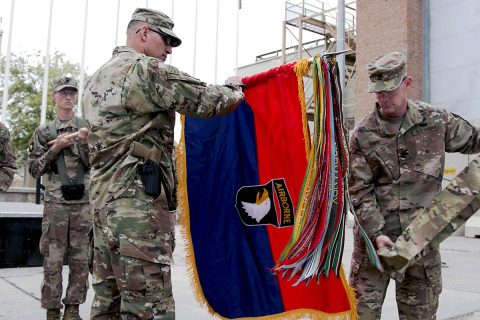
{"x": 61, "y": 83}
{"x": 158, "y": 19}
{"x": 386, "y": 72}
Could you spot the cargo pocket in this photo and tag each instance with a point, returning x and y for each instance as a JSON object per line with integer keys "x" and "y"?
{"x": 151, "y": 250}
{"x": 43, "y": 243}
{"x": 158, "y": 280}
{"x": 151, "y": 276}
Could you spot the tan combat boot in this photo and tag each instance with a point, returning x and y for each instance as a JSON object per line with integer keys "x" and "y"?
{"x": 71, "y": 312}
{"x": 54, "y": 314}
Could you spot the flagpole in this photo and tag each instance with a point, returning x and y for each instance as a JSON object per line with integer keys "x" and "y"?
{"x": 43, "y": 113}
{"x": 82, "y": 63}
{"x": 216, "y": 45}
{"x": 6, "y": 74}
{"x": 195, "y": 39}
{"x": 118, "y": 21}
{"x": 238, "y": 30}
{"x": 341, "y": 41}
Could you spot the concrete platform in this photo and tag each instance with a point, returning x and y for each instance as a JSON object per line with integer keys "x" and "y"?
{"x": 460, "y": 299}
{"x": 20, "y": 210}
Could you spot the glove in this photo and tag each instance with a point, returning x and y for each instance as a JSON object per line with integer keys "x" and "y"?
{"x": 235, "y": 81}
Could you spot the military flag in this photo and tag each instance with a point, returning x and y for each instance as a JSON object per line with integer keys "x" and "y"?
{"x": 240, "y": 180}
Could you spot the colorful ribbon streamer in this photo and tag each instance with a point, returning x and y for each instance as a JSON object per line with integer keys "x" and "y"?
{"x": 316, "y": 245}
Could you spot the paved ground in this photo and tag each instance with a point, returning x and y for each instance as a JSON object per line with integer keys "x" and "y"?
{"x": 20, "y": 287}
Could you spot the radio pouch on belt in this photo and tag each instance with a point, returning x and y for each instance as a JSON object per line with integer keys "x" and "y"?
{"x": 72, "y": 189}
{"x": 150, "y": 172}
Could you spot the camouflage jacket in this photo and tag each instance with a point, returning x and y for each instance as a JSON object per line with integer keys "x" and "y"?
{"x": 42, "y": 161}
{"x": 7, "y": 159}
{"x": 120, "y": 101}
{"x": 400, "y": 171}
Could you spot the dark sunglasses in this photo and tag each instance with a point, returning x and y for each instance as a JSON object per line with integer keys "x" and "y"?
{"x": 166, "y": 38}
{"x": 67, "y": 93}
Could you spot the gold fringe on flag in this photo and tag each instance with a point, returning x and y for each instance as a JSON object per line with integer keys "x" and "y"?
{"x": 184, "y": 215}
{"x": 302, "y": 68}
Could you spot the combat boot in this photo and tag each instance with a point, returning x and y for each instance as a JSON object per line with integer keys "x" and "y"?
{"x": 71, "y": 312}
{"x": 54, "y": 314}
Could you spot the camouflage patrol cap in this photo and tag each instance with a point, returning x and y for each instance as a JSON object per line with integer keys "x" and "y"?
{"x": 61, "y": 83}
{"x": 386, "y": 72}
{"x": 158, "y": 19}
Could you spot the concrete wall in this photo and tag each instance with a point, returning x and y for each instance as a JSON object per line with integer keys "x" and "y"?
{"x": 382, "y": 26}
{"x": 455, "y": 62}
{"x": 454, "y": 56}
{"x": 15, "y": 194}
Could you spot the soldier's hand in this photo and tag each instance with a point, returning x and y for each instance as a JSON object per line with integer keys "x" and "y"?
{"x": 61, "y": 143}
{"x": 383, "y": 241}
{"x": 83, "y": 135}
{"x": 235, "y": 81}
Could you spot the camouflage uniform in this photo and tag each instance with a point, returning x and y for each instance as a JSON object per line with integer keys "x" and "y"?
{"x": 7, "y": 159}
{"x": 448, "y": 211}
{"x": 395, "y": 170}
{"x": 133, "y": 98}
{"x": 66, "y": 223}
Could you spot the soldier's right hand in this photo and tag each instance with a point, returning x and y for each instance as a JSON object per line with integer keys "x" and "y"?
{"x": 83, "y": 135}
{"x": 383, "y": 241}
{"x": 235, "y": 81}
{"x": 61, "y": 143}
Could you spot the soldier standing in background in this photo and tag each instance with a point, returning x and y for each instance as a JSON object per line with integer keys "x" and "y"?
{"x": 129, "y": 105}
{"x": 397, "y": 156}
{"x": 7, "y": 159}
{"x": 67, "y": 218}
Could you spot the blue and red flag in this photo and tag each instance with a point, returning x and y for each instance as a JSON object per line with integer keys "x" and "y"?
{"x": 240, "y": 178}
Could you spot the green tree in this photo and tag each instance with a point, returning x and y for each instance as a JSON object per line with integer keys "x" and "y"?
{"x": 25, "y": 94}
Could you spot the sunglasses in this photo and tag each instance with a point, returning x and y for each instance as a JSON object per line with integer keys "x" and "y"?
{"x": 65, "y": 94}
{"x": 166, "y": 38}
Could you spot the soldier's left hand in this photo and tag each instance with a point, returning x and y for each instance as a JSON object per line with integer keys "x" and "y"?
{"x": 83, "y": 135}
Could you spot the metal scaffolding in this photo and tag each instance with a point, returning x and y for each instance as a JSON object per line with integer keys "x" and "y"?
{"x": 313, "y": 19}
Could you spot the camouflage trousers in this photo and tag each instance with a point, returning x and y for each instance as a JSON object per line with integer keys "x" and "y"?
{"x": 133, "y": 243}
{"x": 417, "y": 294}
{"x": 65, "y": 228}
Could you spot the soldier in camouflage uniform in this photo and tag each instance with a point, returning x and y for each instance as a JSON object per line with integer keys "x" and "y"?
{"x": 7, "y": 159}
{"x": 396, "y": 168}
{"x": 447, "y": 212}
{"x": 66, "y": 222}
{"x": 130, "y": 105}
